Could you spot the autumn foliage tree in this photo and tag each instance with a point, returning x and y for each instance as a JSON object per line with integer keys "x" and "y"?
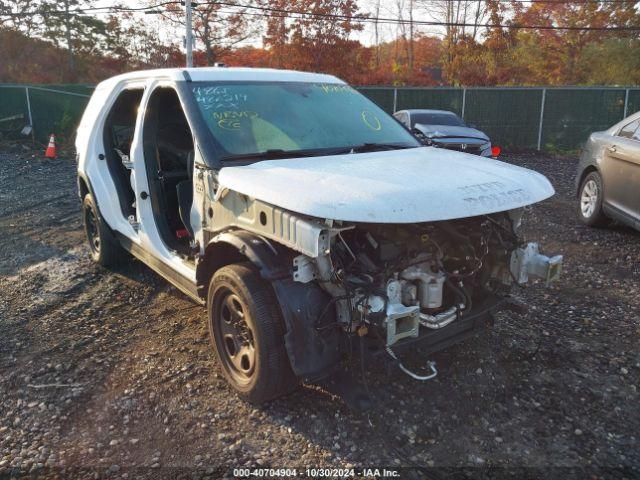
{"x": 132, "y": 45}
{"x": 52, "y": 41}
{"x": 56, "y": 22}
{"x": 552, "y": 54}
{"x": 482, "y": 42}
{"x": 317, "y": 38}
{"x": 558, "y": 56}
{"x": 394, "y": 68}
{"x": 217, "y": 28}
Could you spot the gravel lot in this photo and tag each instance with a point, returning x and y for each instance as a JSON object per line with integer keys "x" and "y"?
{"x": 109, "y": 373}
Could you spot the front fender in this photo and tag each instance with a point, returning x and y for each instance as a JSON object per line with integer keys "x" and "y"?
{"x": 312, "y": 341}
{"x": 239, "y": 246}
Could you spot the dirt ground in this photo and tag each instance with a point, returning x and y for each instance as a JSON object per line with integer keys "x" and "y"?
{"x": 109, "y": 373}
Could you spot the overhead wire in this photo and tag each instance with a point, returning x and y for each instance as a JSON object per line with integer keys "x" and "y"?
{"x": 273, "y": 12}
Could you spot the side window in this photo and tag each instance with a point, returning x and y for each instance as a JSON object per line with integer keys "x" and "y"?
{"x": 122, "y": 119}
{"x": 118, "y": 135}
{"x": 629, "y": 131}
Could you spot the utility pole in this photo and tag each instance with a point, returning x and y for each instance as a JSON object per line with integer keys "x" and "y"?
{"x": 67, "y": 28}
{"x": 410, "y": 49}
{"x": 377, "y": 34}
{"x": 189, "y": 36}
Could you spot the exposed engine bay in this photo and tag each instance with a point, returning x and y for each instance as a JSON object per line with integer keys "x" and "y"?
{"x": 388, "y": 284}
{"x": 394, "y": 282}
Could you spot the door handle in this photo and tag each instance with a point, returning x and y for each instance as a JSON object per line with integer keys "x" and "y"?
{"x": 612, "y": 149}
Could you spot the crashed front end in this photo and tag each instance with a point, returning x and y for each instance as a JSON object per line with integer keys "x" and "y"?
{"x": 396, "y": 284}
{"x": 384, "y": 249}
{"x": 388, "y": 285}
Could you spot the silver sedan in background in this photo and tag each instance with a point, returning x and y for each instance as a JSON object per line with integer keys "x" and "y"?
{"x": 608, "y": 179}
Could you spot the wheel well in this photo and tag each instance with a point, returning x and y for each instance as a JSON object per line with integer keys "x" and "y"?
{"x": 239, "y": 246}
{"x": 585, "y": 172}
{"x": 216, "y": 256}
{"x": 83, "y": 188}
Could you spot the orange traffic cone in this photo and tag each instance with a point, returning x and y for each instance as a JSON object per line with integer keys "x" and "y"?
{"x": 51, "y": 148}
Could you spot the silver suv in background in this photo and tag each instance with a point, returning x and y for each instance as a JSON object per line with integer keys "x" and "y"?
{"x": 444, "y": 129}
{"x": 609, "y": 175}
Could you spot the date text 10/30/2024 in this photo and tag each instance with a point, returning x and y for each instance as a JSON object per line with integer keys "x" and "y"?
{"x": 316, "y": 473}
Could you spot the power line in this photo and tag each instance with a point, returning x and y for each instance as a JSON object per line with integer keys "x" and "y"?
{"x": 83, "y": 10}
{"x": 370, "y": 19}
{"x": 120, "y": 9}
{"x": 297, "y": 14}
{"x": 281, "y": 13}
{"x": 555, "y": 1}
{"x": 570, "y": 2}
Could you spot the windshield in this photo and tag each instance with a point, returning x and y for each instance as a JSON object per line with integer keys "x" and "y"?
{"x": 449, "y": 119}
{"x": 249, "y": 118}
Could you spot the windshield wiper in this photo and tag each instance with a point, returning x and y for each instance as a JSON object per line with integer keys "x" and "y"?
{"x": 273, "y": 154}
{"x": 373, "y": 147}
{"x": 462, "y": 137}
{"x": 277, "y": 153}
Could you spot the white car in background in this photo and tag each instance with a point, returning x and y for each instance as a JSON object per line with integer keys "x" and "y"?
{"x": 444, "y": 129}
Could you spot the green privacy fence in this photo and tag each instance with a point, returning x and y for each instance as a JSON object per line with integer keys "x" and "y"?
{"x": 633, "y": 101}
{"x": 13, "y": 103}
{"x": 46, "y": 108}
{"x": 516, "y": 118}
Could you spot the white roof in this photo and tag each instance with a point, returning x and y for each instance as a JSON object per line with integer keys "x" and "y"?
{"x": 428, "y": 110}
{"x": 225, "y": 74}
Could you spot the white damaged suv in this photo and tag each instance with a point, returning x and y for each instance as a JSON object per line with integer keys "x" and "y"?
{"x": 305, "y": 218}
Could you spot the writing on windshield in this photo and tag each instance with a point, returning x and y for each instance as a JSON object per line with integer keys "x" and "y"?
{"x": 253, "y": 117}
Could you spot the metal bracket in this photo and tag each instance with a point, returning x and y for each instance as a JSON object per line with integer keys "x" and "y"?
{"x": 133, "y": 223}
{"x": 126, "y": 161}
{"x": 304, "y": 269}
{"x": 528, "y": 261}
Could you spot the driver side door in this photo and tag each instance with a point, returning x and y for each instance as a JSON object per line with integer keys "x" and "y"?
{"x": 164, "y": 164}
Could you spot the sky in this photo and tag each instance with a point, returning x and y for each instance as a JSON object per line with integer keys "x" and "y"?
{"x": 388, "y": 8}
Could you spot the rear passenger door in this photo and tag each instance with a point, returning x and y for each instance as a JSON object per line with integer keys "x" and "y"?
{"x": 119, "y": 205}
{"x": 621, "y": 172}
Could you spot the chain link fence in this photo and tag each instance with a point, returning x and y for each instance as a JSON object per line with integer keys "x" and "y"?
{"x": 519, "y": 118}
{"x": 515, "y": 118}
{"x": 46, "y": 109}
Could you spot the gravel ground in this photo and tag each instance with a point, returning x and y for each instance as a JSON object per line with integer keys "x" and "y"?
{"x": 109, "y": 373}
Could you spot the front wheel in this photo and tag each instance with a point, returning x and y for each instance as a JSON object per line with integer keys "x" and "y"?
{"x": 590, "y": 201}
{"x": 247, "y": 332}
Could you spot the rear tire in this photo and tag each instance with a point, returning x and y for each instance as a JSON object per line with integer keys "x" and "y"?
{"x": 103, "y": 247}
{"x": 247, "y": 333}
{"x": 590, "y": 201}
